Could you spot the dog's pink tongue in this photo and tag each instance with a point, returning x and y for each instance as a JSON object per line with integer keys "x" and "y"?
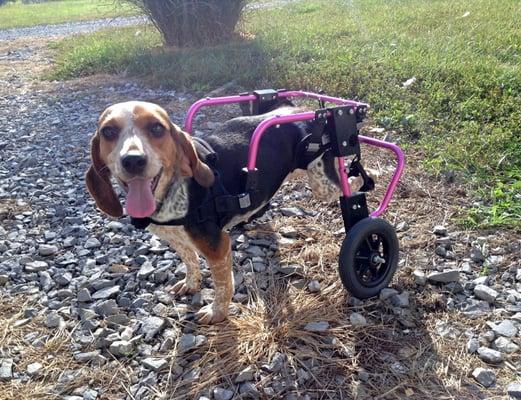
{"x": 140, "y": 199}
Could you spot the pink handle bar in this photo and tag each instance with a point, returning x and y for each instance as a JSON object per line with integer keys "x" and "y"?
{"x": 214, "y": 101}
{"x": 305, "y": 116}
{"x": 344, "y": 183}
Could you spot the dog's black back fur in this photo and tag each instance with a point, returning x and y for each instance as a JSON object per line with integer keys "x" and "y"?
{"x": 277, "y": 158}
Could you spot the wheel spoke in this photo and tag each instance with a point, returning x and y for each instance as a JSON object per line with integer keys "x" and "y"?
{"x": 362, "y": 269}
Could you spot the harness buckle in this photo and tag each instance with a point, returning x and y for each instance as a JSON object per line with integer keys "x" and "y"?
{"x": 313, "y": 147}
{"x": 244, "y": 200}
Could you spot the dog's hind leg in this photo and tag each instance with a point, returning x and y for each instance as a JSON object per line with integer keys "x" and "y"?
{"x": 179, "y": 240}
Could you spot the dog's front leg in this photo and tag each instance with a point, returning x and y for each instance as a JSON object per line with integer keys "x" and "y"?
{"x": 218, "y": 253}
{"x": 179, "y": 240}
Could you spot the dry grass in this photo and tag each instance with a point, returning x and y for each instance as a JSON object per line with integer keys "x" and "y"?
{"x": 55, "y": 354}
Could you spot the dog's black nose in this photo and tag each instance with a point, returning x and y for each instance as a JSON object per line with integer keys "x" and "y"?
{"x": 134, "y": 163}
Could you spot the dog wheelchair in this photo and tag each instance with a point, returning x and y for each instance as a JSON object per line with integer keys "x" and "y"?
{"x": 369, "y": 255}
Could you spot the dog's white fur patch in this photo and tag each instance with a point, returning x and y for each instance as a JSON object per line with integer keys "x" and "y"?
{"x": 175, "y": 203}
{"x": 321, "y": 186}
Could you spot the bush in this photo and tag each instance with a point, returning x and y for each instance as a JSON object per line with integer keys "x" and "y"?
{"x": 2, "y": 2}
{"x": 193, "y": 23}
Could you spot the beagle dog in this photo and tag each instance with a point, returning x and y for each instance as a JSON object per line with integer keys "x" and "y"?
{"x": 166, "y": 176}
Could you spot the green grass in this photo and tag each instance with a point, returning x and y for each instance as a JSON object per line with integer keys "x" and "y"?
{"x": 463, "y": 110}
{"x": 14, "y": 15}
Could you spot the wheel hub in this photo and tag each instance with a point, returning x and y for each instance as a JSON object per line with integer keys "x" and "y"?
{"x": 376, "y": 259}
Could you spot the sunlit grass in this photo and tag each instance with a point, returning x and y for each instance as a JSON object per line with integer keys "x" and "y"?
{"x": 14, "y": 15}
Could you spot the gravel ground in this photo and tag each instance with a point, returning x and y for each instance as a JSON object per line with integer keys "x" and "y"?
{"x": 85, "y": 311}
{"x": 69, "y": 28}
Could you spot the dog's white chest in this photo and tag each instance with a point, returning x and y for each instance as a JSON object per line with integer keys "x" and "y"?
{"x": 175, "y": 204}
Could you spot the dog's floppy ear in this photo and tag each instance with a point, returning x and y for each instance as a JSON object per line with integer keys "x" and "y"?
{"x": 191, "y": 165}
{"x": 98, "y": 182}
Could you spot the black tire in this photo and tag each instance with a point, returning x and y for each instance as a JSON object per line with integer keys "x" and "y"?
{"x": 361, "y": 269}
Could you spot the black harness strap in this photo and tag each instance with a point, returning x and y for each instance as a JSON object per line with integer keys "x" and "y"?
{"x": 218, "y": 205}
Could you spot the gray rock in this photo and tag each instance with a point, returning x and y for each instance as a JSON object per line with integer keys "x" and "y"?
{"x": 222, "y": 394}
{"x": 320, "y": 326}
{"x": 441, "y": 251}
{"x": 189, "y": 342}
{"x": 440, "y": 230}
{"x": 451, "y": 275}
{"x": 276, "y": 364}
{"x": 485, "y": 293}
{"x": 446, "y": 330}
{"x": 505, "y": 328}
{"x": 419, "y": 277}
{"x": 117, "y": 320}
{"x": 505, "y": 345}
{"x": 63, "y": 279}
{"x": 107, "y": 307}
{"x": 400, "y": 300}
{"x": 490, "y": 356}
{"x": 146, "y": 270}
{"x": 357, "y": 319}
{"x": 121, "y": 348}
{"x": 47, "y": 250}
{"x": 486, "y": 377}
{"x": 259, "y": 267}
{"x": 6, "y": 369}
{"x": 476, "y": 255}
{"x": 291, "y": 212}
{"x": 475, "y": 308}
{"x": 64, "y": 293}
{"x": 84, "y": 295}
{"x": 152, "y": 326}
{"x": 87, "y": 356}
{"x": 4, "y": 279}
{"x": 90, "y": 394}
{"x": 487, "y": 337}
{"x": 472, "y": 345}
{"x": 314, "y": 286}
{"x": 115, "y": 226}
{"x": 92, "y": 243}
{"x": 155, "y": 364}
{"x": 245, "y": 375}
{"x": 249, "y": 390}
{"x": 54, "y": 320}
{"x": 387, "y": 293}
{"x": 106, "y": 293}
{"x": 36, "y": 266}
{"x": 514, "y": 390}
{"x": 34, "y": 369}
{"x": 288, "y": 231}
{"x": 466, "y": 267}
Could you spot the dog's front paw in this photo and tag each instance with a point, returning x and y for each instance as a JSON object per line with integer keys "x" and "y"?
{"x": 211, "y": 314}
{"x": 184, "y": 287}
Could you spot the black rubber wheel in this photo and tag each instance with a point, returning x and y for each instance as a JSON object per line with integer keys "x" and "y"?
{"x": 369, "y": 257}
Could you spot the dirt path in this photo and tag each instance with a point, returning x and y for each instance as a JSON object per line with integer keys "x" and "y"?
{"x": 81, "y": 316}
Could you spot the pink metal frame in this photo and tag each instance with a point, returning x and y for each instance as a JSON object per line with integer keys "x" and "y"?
{"x": 305, "y": 116}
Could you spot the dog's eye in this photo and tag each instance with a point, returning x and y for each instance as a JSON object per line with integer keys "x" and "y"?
{"x": 109, "y": 132}
{"x": 157, "y": 130}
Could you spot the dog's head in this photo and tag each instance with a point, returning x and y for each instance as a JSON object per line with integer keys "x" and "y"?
{"x": 138, "y": 144}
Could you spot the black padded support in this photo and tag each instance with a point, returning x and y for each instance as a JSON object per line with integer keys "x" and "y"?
{"x": 343, "y": 131}
{"x": 354, "y": 209}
